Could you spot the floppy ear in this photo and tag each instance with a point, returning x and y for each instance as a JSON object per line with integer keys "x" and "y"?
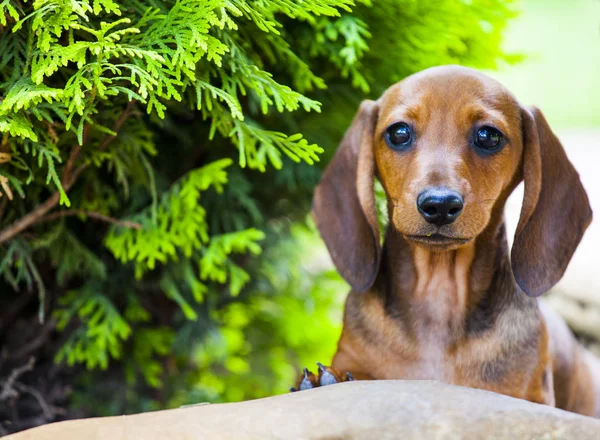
{"x": 555, "y": 213}
{"x": 344, "y": 203}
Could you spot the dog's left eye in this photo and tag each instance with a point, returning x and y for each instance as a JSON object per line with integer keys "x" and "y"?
{"x": 398, "y": 136}
{"x": 488, "y": 138}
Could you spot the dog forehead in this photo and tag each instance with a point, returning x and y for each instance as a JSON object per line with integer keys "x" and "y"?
{"x": 449, "y": 94}
{"x": 447, "y": 87}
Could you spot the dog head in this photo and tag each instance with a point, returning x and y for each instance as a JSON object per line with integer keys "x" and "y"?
{"x": 449, "y": 145}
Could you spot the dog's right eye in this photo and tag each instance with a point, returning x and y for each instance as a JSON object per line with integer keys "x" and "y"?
{"x": 488, "y": 138}
{"x": 398, "y": 136}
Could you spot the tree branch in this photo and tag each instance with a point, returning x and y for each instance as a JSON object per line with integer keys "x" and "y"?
{"x": 48, "y": 412}
{"x": 68, "y": 179}
{"x": 31, "y": 217}
{"x": 8, "y": 386}
{"x": 91, "y": 214}
{"x": 117, "y": 127}
{"x": 104, "y": 145}
{"x": 70, "y": 162}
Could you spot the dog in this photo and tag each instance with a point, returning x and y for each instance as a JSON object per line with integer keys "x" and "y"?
{"x": 442, "y": 299}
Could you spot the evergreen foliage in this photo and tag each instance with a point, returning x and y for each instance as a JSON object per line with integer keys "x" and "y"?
{"x": 157, "y": 162}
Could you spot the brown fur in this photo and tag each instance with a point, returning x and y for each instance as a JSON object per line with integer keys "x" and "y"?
{"x": 461, "y": 311}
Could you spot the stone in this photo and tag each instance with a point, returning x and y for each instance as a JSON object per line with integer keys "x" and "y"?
{"x": 351, "y": 410}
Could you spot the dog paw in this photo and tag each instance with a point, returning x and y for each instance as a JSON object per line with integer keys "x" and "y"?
{"x": 325, "y": 376}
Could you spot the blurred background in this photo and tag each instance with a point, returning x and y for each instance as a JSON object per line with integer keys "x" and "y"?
{"x": 561, "y": 76}
{"x": 232, "y": 307}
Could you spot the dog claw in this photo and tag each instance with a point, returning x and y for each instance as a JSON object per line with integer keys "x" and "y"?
{"x": 325, "y": 377}
{"x": 306, "y": 384}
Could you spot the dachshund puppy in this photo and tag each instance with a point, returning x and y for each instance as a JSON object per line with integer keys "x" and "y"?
{"x": 441, "y": 298}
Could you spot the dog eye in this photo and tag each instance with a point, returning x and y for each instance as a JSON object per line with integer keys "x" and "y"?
{"x": 398, "y": 135}
{"x": 488, "y": 138}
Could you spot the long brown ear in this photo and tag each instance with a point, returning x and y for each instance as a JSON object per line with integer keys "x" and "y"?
{"x": 555, "y": 213}
{"x": 344, "y": 203}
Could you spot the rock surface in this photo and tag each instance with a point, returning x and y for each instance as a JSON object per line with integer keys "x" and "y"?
{"x": 351, "y": 410}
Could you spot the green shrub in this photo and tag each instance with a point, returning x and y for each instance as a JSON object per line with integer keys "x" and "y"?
{"x": 156, "y": 166}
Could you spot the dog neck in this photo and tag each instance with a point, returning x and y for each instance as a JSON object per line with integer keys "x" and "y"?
{"x": 451, "y": 292}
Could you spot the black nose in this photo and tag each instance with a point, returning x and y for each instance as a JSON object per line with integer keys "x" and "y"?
{"x": 440, "y": 206}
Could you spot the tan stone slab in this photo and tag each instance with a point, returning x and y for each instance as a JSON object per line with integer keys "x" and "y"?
{"x": 352, "y": 410}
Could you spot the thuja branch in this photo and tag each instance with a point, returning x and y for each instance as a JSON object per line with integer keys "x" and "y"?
{"x": 68, "y": 179}
{"x": 116, "y": 128}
